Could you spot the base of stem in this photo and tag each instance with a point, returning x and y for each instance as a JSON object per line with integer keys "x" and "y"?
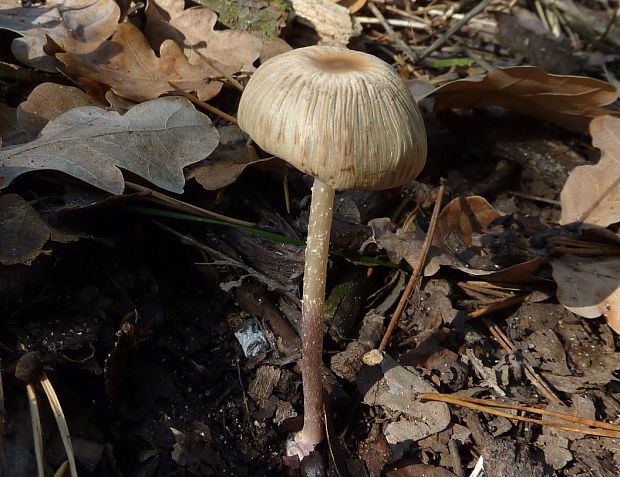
{"x": 297, "y": 446}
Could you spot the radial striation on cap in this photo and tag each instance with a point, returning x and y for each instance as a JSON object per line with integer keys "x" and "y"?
{"x": 342, "y": 116}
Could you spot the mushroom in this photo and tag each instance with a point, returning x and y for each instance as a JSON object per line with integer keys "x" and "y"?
{"x": 347, "y": 119}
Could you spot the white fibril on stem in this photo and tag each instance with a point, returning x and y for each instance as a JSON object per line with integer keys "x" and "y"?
{"x": 313, "y": 309}
{"x": 347, "y": 119}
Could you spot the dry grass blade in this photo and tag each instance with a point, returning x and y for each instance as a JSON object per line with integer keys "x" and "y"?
{"x": 61, "y": 422}
{"x": 3, "y": 469}
{"x": 177, "y": 204}
{"x": 37, "y": 433}
{"x": 583, "y": 248}
{"x": 497, "y": 306}
{"x": 595, "y": 428}
{"x": 62, "y": 470}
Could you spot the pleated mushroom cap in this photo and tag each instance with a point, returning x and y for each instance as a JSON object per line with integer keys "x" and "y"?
{"x": 341, "y": 116}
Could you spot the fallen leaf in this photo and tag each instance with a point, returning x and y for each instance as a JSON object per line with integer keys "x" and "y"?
{"x": 456, "y": 224}
{"x": 10, "y": 131}
{"x": 155, "y": 140}
{"x": 464, "y": 216}
{"x": 568, "y": 101}
{"x": 591, "y": 194}
{"x": 420, "y": 470}
{"x": 85, "y": 21}
{"x": 393, "y": 387}
{"x": 127, "y": 65}
{"x": 22, "y": 231}
{"x": 589, "y": 286}
{"x": 46, "y": 102}
{"x": 227, "y": 162}
{"x": 228, "y": 51}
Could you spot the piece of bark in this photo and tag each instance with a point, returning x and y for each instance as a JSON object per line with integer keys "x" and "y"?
{"x": 523, "y": 33}
{"x": 334, "y": 23}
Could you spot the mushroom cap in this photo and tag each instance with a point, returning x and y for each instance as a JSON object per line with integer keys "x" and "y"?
{"x": 342, "y": 116}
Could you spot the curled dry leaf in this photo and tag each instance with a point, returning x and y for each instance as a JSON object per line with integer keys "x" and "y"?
{"x": 568, "y": 101}
{"x": 591, "y": 194}
{"x": 129, "y": 66}
{"x": 228, "y": 161}
{"x": 213, "y": 51}
{"x": 85, "y": 21}
{"x": 46, "y": 102}
{"x": 589, "y": 286}
{"x": 155, "y": 140}
{"x": 457, "y": 225}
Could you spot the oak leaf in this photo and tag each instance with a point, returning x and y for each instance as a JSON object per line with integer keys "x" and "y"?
{"x": 23, "y": 232}
{"x": 568, "y": 101}
{"x": 87, "y": 22}
{"x": 591, "y": 194}
{"x": 127, "y": 65}
{"x": 215, "y": 52}
{"x": 589, "y": 286}
{"x": 154, "y": 140}
{"x": 47, "y": 101}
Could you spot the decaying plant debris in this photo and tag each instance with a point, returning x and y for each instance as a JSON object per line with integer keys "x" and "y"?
{"x": 151, "y": 257}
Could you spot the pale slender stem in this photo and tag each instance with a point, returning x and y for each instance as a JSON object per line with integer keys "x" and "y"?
{"x": 313, "y": 310}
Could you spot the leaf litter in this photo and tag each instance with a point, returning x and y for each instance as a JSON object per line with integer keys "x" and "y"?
{"x": 495, "y": 262}
{"x": 154, "y": 139}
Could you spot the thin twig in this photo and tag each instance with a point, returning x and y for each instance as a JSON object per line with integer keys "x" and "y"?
{"x": 413, "y": 280}
{"x": 202, "y": 104}
{"x": 408, "y": 23}
{"x": 224, "y": 259}
{"x": 395, "y": 36}
{"x": 530, "y": 372}
{"x": 184, "y": 206}
{"x": 535, "y": 198}
{"x": 456, "y": 27}
{"x": 602, "y": 429}
{"x": 610, "y": 24}
{"x": 226, "y": 75}
{"x": 498, "y": 306}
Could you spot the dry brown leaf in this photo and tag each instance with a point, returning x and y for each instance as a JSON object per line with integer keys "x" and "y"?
{"x": 456, "y": 224}
{"x": 229, "y": 51}
{"x": 568, "y": 101}
{"x": 589, "y": 286}
{"x": 86, "y": 21}
{"x": 22, "y": 231}
{"x": 420, "y": 470}
{"x": 464, "y": 215}
{"x": 155, "y": 140}
{"x": 10, "y": 131}
{"x": 127, "y": 65}
{"x": 46, "y": 102}
{"x": 393, "y": 387}
{"x": 592, "y": 193}
{"x": 227, "y": 162}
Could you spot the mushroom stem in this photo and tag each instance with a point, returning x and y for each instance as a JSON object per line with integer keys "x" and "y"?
{"x": 313, "y": 311}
